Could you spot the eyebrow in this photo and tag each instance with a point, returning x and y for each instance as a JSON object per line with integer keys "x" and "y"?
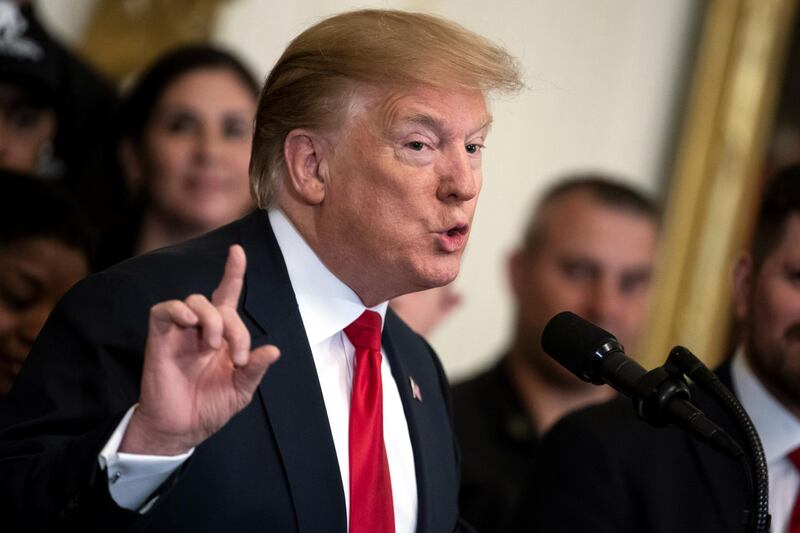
{"x": 436, "y": 124}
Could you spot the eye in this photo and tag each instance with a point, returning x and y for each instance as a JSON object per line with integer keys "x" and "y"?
{"x": 635, "y": 282}
{"x": 473, "y": 148}
{"x": 417, "y": 146}
{"x": 25, "y": 118}
{"x": 180, "y": 123}
{"x": 17, "y": 299}
{"x": 236, "y": 129}
{"x": 578, "y": 271}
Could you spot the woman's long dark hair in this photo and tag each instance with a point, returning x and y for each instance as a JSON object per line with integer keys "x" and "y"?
{"x": 140, "y": 101}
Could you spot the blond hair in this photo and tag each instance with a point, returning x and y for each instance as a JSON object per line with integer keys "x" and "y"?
{"x": 310, "y": 83}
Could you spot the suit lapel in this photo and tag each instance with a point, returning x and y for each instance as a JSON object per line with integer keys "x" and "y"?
{"x": 290, "y": 392}
{"x": 394, "y": 346}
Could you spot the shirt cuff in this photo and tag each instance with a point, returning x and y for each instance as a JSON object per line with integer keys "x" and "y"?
{"x": 133, "y": 478}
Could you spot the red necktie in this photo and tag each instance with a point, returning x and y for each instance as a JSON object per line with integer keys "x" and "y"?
{"x": 794, "y": 521}
{"x": 371, "y": 507}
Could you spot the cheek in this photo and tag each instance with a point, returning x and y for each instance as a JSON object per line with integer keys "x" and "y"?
{"x": 166, "y": 162}
{"x": 559, "y": 292}
{"x": 239, "y": 159}
{"x": 21, "y": 155}
{"x": 546, "y": 293}
{"x": 8, "y": 321}
{"x": 767, "y": 318}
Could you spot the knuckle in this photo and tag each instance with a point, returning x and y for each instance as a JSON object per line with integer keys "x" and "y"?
{"x": 196, "y": 300}
{"x": 165, "y": 306}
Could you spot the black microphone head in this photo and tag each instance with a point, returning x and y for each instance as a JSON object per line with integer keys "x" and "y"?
{"x": 574, "y": 343}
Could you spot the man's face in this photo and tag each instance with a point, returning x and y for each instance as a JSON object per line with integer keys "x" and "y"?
{"x": 590, "y": 259}
{"x": 768, "y": 301}
{"x": 401, "y": 185}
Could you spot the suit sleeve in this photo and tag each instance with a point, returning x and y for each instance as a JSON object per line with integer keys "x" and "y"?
{"x": 81, "y": 376}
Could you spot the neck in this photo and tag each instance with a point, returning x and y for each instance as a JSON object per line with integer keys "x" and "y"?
{"x": 302, "y": 218}
{"x": 547, "y": 400}
{"x": 156, "y": 232}
{"x": 789, "y": 400}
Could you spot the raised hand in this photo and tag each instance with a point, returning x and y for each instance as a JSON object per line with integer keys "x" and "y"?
{"x": 198, "y": 371}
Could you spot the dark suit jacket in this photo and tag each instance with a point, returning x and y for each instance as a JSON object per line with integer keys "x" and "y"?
{"x": 604, "y": 470}
{"x": 273, "y": 467}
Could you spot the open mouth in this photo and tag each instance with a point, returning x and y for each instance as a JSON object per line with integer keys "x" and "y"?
{"x": 453, "y": 239}
{"x": 457, "y": 230}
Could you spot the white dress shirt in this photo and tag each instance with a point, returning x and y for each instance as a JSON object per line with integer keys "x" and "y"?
{"x": 780, "y": 434}
{"x": 326, "y": 307}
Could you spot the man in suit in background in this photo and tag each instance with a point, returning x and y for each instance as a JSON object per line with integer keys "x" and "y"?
{"x": 604, "y": 470}
{"x": 366, "y": 167}
{"x": 589, "y": 248}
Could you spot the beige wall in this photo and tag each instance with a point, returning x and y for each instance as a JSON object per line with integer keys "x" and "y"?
{"x": 603, "y": 84}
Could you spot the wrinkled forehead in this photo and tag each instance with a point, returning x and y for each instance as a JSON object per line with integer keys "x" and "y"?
{"x": 446, "y": 111}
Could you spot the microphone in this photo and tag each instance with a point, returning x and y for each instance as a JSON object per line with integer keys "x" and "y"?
{"x": 660, "y": 397}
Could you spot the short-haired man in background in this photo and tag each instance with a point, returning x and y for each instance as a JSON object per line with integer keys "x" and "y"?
{"x": 589, "y": 248}
{"x": 366, "y": 167}
{"x": 604, "y": 470}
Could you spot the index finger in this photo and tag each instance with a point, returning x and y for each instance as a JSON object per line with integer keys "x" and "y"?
{"x": 230, "y": 286}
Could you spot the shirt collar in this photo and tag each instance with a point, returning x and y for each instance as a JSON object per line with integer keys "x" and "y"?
{"x": 326, "y": 304}
{"x": 778, "y": 428}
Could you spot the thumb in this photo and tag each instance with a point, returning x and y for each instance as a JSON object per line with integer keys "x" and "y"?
{"x": 257, "y": 364}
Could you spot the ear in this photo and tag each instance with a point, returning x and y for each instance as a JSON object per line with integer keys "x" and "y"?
{"x": 132, "y": 166}
{"x": 742, "y": 285}
{"x": 306, "y": 165}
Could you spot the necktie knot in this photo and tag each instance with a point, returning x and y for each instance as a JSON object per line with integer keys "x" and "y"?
{"x": 365, "y": 331}
{"x": 794, "y": 457}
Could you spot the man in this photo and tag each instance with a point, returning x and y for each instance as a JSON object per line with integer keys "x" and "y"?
{"x": 369, "y": 176}
{"x": 589, "y": 248}
{"x": 625, "y": 476}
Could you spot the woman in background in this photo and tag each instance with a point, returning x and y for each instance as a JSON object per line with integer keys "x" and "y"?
{"x": 44, "y": 249}
{"x": 184, "y": 147}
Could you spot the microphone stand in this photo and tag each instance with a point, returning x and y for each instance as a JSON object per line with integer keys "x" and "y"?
{"x": 754, "y": 463}
{"x": 653, "y": 397}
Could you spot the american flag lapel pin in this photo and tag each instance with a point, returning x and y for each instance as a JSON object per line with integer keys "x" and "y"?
{"x": 415, "y": 392}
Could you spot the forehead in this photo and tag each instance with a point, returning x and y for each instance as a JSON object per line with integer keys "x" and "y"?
{"x": 207, "y": 86}
{"x": 45, "y": 260}
{"x": 579, "y": 224}
{"x": 448, "y": 111}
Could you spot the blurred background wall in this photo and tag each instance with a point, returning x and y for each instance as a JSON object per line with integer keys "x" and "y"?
{"x": 605, "y": 88}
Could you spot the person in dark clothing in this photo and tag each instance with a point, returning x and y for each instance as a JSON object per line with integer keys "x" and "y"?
{"x": 45, "y": 248}
{"x": 589, "y": 248}
{"x": 604, "y": 470}
{"x": 154, "y": 398}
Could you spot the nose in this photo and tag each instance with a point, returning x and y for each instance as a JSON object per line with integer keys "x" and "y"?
{"x": 459, "y": 177}
{"x": 208, "y": 144}
{"x": 605, "y": 306}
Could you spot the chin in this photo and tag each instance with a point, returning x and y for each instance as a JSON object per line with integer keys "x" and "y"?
{"x": 439, "y": 277}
